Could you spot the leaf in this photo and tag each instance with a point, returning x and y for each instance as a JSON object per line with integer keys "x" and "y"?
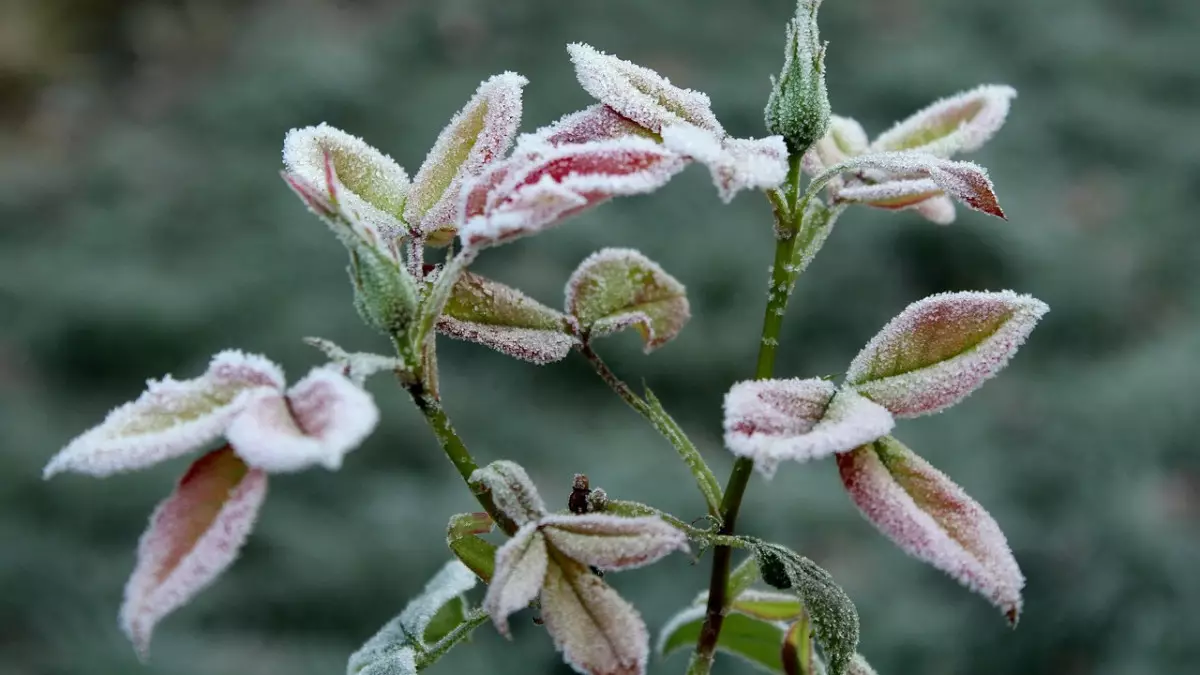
{"x": 385, "y": 294}
{"x": 512, "y": 490}
{"x": 521, "y": 565}
{"x": 798, "y": 107}
{"x": 612, "y": 542}
{"x": 835, "y": 621}
{"x": 478, "y": 135}
{"x": 171, "y": 418}
{"x": 478, "y": 555}
{"x": 770, "y": 421}
{"x": 597, "y": 631}
{"x": 817, "y": 222}
{"x": 797, "y": 652}
{"x": 768, "y": 605}
{"x": 757, "y": 642}
{"x": 960, "y": 123}
{"x": 740, "y": 579}
{"x": 933, "y": 520}
{"x": 639, "y": 93}
{"x": 356, "y": 366}
{"x": 423, "y": 622}
{"x": 844, "y": 139}
{"x": 501, "y": 317}
{"x": 322, "y": 417}
{"x": 859, "y": 666}
{"x": 531, "y": 192}
{"x": 891, "y": 194}
{"x": 964, "y": 181}
{"x": 594, "y": 123}
{"x": 942, "y": 348}
{"x": 194, "y": 535}
{"x": 372, "y": 185}
{"x": 736, "y": 164}
{"x": 937, "y": 210}
{"x": 615, "y": 288}
{"x": 666, "y": 425}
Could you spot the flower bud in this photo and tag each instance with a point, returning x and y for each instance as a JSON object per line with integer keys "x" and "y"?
{"x": 798, "y": 108}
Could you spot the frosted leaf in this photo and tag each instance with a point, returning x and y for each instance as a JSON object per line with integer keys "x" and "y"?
{"x": 538, "y": 191}
{"x": 933, "y": 520}
{"x": 770, "y": 421}
{"x": 942, "y": 348}
{"x": 639, "y": 93}
{"x": 193, "y": 537}
{"x": 964, "y": 181}
{"x": 960, "y": 123}
{"x": 171, "y": 418}
{"x": 478, "y": 135}
{"x": 393, "y": 647}
{"x": 938, "y": 210}
{"x": 512, "y": 490}
{"x": 597, "y": 631}
{"x": 357, "y": 366}
{"x": 612, "y": 542}
{"x": 501, "y": 317}
{"x": 736, "y": 164}
{"x": 372, "y": 185}
{"x": 798, "y": 107}
{"x": 768, "y": 605}
{"x": 521, "y": 565}
{"x": 891, "y": 194}
{"x": 859, "y": 666}
{"x": 322, "y": 417}
{"x": 844, "y": 139}
{"x": 477, "y": 554}
{"x": 594, "y": 123}
{"x": 756, "y": 642}
{"x": 616, "y": 288}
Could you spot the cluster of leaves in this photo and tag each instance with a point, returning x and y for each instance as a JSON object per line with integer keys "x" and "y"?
{"x": 482, "y": 185}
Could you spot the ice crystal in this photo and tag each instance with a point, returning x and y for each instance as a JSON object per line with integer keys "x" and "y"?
{"x": 611, "y": 542}
{"x": 932, "y": 519}
{"x": 615, "y": 288}
{"x": 959, "y": 123}
{"x": 942, "y": 348}
{"x": 194, "y": 535}
{"x": 639, "y": 93}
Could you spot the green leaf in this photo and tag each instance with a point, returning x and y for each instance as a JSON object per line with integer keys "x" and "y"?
{"x": 447, "y": 619}
{"x": 666, "y": 425}
{"x": 742, "y": 577}
{"x": 757, "y": 642}
{"x": 768, "y": 605}
{"x": 478, "y": 555}
{"x": 834, "y": 617}
{"x": 501, "y": 317}
{"x": 798, "y": 648}
{"x": 385, "y": 295}
{"x": 614, "y": 289}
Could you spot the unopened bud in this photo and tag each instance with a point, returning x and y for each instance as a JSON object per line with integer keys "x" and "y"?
{"x": 798, "y": 108}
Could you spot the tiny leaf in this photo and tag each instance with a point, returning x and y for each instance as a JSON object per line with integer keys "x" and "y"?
{"x": 356, "y": 366}
{"x": 511, "y": 489}
{"x": 639, "y": 93}
{"x": 757, "y": 642}
{"x": 597, "y": 631}
{"x": 501, "y": 317}
{"x": 933, "y": 520}
{"x": 171, "y": 418}
{"x": 611, "y": 542}
{"x": 960, "y": 123}
{"x": 940, "y": 349}
{"x": 521, "y": 565}
{"x": 617, "y": 288}
{"x": 193, "y": 537}
{"x": 797, "y": 652}
{"x": 833, "y": 615}
{"x": 478, "y": 555}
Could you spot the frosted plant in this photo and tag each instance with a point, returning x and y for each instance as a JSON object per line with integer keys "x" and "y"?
{"x": 484, "y": 184}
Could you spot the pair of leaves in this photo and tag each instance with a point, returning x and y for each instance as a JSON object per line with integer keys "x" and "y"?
{"x": 610, "y": 291}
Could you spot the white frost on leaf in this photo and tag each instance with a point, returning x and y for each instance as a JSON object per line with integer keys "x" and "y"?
{"x": 890, "y": 194}
{"x": 612, "y": 542}
{"x": 937, "y": 210}
{"x": 959, "y": 123}
{"x": 859, "y": 666}
{"x": 617, "y": 288}
{"x": 736, "y": 164}
{"x": 321, "y": 418}
{"x": 357, "y": 366}
{"x": 940, "y": 349}
{"x": 512, "y": 490}
{"x": 597, "y": 631}
{"x": 594, "y": 123}
{"x": 193, "y": 537}
{"x": 529, "y": 193}
{"x": 538, "y": 346}
{"x": 965, "y": 181}
{"x": 521, "y": 565}
{"x": 932, "y": 519}
{"x": 639, "y": 93}
{"x": 372, "y": 187}
{"x": 476, "y": 136}
{"x": 770, "y": 421}
{"x": 172, "y": 418}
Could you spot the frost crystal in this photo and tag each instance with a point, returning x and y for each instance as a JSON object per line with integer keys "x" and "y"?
{"x": 501, "y": 317}
{"x": 478, "y": 135}
{"x": 597, "y": 631}
{"x": 529, "y": 193}
{"x": 615, "y": 288}
{"x": 960, "y": 123}
{"x": 373, "y": 186}
{"x": 611, "y": 542}
{"x": 940, "y": 349}
{"x": 774, "y": 420}
{"x": 639, "y": 93}
{"x": 193, "y": 537}
{"x": 736, "y": 164}
{"x": 932, "y": 519}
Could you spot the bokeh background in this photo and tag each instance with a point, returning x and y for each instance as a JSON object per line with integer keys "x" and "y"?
{"x": 144, "y": 227}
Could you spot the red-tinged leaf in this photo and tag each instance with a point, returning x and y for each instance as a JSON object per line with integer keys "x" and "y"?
{"x": 770, "y": 421}
{"x": 521, "y": 567}
{"x": 193, "y": 536}
{"x": 964, "y": 181}
{"x": 618, "y": 288}
{"x": 892, "y": 194}
{"x": 597, "y": 631}
{"x": 611, "y": 542}
{"x": 940, "y": 349}
{"x": 171, "y": 418}
{"x": 322, "y": 417}
{"x": 477, "y": 136}
{"x": 594, "y": 123}
{"x": 639, "y": 93}
{"x": 932, "y": 519}
{"x": 797, "y": 651}
{"x": 960, "y": 123}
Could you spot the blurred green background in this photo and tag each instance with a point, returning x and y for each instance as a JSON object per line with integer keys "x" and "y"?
{"x": 144, "y": 227}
